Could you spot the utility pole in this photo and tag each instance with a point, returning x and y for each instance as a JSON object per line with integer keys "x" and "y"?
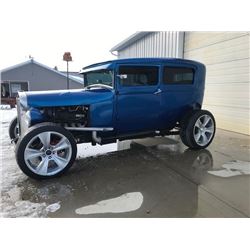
{"x": 68, "y": 58}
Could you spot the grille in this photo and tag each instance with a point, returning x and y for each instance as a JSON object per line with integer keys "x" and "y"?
{"x": 18, "y": 115}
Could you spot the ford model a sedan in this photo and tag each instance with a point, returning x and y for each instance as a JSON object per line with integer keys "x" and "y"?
{"x": 121, "y": 99}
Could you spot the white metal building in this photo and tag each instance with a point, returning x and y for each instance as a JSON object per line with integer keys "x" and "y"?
{"x": 227, "y": 58}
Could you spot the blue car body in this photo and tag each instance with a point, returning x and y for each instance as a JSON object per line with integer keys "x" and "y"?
{"x": 127, "y": 110}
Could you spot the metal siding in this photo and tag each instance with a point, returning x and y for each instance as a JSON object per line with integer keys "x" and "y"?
{"x": 156, "y": 44}
{"x": 226, "y": 55}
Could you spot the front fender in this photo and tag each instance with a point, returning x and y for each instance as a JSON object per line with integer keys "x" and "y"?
{"x": 36, "y": 116}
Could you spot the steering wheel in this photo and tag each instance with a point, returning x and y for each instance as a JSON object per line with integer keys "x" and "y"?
{"x": 99, "y": 85}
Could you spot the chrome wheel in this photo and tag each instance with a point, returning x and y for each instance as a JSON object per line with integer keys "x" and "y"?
{"x": 203, "y": 130}
{"x": 48, "y": 153}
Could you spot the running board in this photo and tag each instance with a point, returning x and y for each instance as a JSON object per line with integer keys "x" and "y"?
{"x": 89, "y": 129}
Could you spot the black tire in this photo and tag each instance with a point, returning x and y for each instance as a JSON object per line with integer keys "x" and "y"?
{"x": 13, "y": 130}
{"x": 35, "y": 131}
{"x": 188, "y": 126}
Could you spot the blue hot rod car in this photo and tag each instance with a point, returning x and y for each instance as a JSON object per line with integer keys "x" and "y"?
{"x": 121, "y": 99}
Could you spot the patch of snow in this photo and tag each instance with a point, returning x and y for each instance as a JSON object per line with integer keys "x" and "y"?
{"x": 53, "y": 207}
{"x": 7, "y": 115}
{"x": 14, "y": 194}
{"x": 125, "y": 203}
{"x": 2, "y": 106}
{"x": 232, "y": 168}
{"x": 24, "y": 209}
{"x": 11, "y": 204}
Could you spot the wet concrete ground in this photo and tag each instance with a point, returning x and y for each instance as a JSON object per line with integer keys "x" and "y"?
{"x": 153, "y": 177}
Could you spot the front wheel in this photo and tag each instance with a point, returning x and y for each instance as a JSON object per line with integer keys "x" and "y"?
{"x": 198, "y": 129}
{"x": 46, "y": 151}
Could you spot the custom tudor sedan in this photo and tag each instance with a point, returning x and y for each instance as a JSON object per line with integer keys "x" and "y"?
{"x": 121, "y": 99}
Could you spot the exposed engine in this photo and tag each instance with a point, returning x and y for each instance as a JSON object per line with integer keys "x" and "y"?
{"x": 73, "y": 116}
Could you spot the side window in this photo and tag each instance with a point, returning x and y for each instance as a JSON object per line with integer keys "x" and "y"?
{"x": 176, "y": 75}
{"x": 138, "y": 75}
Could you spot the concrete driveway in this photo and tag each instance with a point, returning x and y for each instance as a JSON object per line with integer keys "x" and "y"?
{"x": 153, "y": 177}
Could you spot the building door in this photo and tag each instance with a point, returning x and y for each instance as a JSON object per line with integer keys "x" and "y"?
{"x": 5, "y": 90}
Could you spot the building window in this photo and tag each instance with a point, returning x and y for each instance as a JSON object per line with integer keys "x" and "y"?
{"x": 18, "y": 87}
{"x": 138, "y": 75}
{"x": 11, "y": 88}
{"x": 172, "y": 75}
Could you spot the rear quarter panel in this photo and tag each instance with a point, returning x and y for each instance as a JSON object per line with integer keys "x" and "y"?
{"x": 177, "y": 99}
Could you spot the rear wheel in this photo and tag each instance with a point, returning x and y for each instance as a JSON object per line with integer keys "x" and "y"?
{"x": 198, "y": 129}
{"x": 13, "y": 130}
{"x": 46, "y": 151}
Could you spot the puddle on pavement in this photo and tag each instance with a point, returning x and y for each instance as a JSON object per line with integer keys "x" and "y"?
{"x": 125, "y": 203}
{"x": 166, "y": 173}
{"x": 232, "y": 168}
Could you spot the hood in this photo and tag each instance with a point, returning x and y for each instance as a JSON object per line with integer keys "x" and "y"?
{"x": 36, "y": 99}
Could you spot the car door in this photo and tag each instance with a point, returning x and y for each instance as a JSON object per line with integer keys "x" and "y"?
{"x": 178, "y": 92}
{"x": 137, "y": 98}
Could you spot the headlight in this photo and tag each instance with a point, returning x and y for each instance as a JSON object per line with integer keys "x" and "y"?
{"x": 23, "y": 100}
{"x": 27, "y": 118}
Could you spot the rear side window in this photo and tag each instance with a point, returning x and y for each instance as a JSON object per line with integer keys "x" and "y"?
{"x": 138, "y": 75}
{"x": 176, "y": 75}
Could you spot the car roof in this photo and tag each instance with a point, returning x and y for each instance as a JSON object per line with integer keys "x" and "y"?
{"x": 144, "y": 60}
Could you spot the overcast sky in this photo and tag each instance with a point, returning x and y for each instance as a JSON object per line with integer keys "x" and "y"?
{"x": 86, "y": 47}
{"x": 45, "y": 29}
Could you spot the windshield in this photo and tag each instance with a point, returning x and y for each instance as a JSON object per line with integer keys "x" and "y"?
{"x": 104, "y": 76}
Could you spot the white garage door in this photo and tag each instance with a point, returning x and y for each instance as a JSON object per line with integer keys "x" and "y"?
{"x": 226, "y": 56}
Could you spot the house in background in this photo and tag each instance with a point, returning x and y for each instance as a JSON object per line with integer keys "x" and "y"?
{"x": 227, "y": 60}
{"x": 32, "y": 76}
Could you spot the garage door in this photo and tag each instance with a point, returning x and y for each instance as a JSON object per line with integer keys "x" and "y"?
{"x": 226, "y": 56}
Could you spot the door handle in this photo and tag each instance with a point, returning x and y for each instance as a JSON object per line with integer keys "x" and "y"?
{"x": 157, "y": 92}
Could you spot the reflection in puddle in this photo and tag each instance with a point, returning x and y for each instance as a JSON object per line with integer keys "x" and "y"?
{"x": 125, "y": 203}
{"x": 233, "y": 168}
